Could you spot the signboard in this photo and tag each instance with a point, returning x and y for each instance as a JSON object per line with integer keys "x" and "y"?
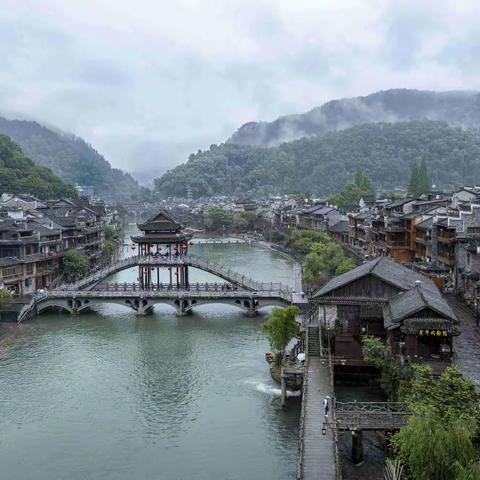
{"x": 432, "y": 333}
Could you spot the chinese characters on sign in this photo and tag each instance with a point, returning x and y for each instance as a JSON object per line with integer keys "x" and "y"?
{"x": 433, "y": 333}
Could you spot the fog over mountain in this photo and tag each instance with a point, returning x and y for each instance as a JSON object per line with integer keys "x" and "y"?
{"x": 458, "y": 108}
{"x": 149, "y": 85}
{"x": 70, "y": 157}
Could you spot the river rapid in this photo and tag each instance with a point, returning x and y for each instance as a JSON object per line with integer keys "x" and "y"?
{"x": 109, "y": 395}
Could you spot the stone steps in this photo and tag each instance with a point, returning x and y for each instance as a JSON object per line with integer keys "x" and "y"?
{"x": 313, "y": 342}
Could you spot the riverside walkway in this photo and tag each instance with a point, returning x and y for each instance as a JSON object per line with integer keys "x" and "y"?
{"x": 317, "y": 453}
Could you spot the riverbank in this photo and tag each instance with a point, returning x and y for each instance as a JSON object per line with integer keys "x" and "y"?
{"x": 148, "y": 392}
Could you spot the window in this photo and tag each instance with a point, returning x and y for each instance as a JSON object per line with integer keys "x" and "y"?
{"x": 9, "y": 272}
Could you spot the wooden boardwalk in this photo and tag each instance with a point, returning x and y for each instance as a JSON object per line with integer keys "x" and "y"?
{"x": 318, "y": 452}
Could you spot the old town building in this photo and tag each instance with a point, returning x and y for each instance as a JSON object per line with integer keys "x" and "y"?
{"x": 34, "y": 236}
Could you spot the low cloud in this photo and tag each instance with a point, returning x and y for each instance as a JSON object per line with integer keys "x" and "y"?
{"x": 150, "y": 84}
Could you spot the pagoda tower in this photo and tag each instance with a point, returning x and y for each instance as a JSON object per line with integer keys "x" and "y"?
{"x": 162, "y": 245}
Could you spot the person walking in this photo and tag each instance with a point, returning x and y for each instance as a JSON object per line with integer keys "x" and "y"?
{"x": 326, "y": 406}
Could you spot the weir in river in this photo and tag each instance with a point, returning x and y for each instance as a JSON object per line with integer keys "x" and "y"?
{"x": 116, "y": 396}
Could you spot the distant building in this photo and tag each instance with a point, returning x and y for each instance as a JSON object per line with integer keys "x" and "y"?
{"x": 84, "y": 190}
{"x": 34, "y": 236}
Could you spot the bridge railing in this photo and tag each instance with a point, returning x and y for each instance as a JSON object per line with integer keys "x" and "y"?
{"x": 195, "y": 261}
{"x": 370, "y": 407}
{"x": 100, "y": 274}
{"x": 30, "y": 306}
{"x": 217, "y": 269}
{"x": 204, "y": 286}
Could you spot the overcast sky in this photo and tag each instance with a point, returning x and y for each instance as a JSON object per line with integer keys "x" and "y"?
{"x": 146, "y": 82}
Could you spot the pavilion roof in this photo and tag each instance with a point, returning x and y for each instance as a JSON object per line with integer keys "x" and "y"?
{"x": 161, "y": 221}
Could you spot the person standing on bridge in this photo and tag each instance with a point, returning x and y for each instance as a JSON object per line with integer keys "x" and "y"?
{"x": 326, "y": 406}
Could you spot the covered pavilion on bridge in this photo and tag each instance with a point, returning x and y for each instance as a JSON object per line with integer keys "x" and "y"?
{"x": 162, "y": 245}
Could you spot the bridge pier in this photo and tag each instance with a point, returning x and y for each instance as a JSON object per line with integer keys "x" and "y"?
{"x": 141, "y": 306}
{"x": 357, "y": 447}
{"x": 251, "y": 306}
{"x": 184, "y": 307}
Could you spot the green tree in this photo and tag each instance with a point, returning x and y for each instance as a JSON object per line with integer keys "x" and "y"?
{"x": 364, "y": 183}
{"x": 419, "y": 180}
{"x": 434, "y": 448}
{"x": 424, "y": 184}
{"x": 345, "y": 265}
{"x": 326, "y": 259}
{"x": 353, "y": 192}
{"x": 244, "y": 221}
{"x": 438, "y": 440}
{"x": 331, "y": 256}
{"x": 217, "y": 218}
{"x": 74, "y": 264}
{"x": 301, "y": 241}
{"x": 313, "y": 270}
{"x": 374, "y": 353}
{"x": 281, "y": 327}
{"x": 5, "y": 296}
{"x": 110, "y": 232}
{"x": 108, "y": 250}
{"x": 413, "y": 185}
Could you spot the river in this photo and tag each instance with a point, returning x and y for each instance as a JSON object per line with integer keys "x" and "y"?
{"x": 108, "y": 395}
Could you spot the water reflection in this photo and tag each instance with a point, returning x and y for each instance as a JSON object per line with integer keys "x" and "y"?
{"x": 110, "y": 395}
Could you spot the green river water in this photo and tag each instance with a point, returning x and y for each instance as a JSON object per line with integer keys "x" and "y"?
{"x": 108, "y": 395}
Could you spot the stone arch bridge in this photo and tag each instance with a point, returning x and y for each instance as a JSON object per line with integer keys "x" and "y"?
{"x": 236, "y": 290}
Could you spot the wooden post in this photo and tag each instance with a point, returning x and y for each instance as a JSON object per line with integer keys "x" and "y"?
{"x": 283, "y": 388}
{"x": 357, "y": 447}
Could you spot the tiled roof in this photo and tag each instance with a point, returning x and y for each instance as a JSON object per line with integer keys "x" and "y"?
{"x": 406, "y": 304}
{"x": 160, "y": 222}
{"x": 339, "y": 227}
{"x": 312, "y": 209}
{"x": 383, "y": 268}
{"x": 426, "y": 224}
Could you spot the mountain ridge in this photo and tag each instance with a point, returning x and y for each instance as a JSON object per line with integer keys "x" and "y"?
{"x": 322, "y": 165}
{"x": 456, "y": 107}
{"x": 70, "y": 157}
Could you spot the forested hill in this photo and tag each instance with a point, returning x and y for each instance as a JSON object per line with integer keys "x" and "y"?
{"x": 70, "y": 157}
{"x": 18, "y": 174}
{"x": 323, "y": 165}
{"x": 456, "y": 108}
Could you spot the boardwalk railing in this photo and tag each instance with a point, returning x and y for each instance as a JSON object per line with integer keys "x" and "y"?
{"x": 302, "y": 413}
{"x": 370, "y": 415}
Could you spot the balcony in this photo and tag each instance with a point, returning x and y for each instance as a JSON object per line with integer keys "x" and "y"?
{"x": 447, "y": 258}
{"x": 395, "y": 228}
{"x": 396, "y": 244}
{"x": 448, "y": 239}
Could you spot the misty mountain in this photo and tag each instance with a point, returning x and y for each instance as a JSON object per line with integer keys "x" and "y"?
{"x": 18, "y": 174}
{"x": 322, "y": 165}
{"x": 458, "y": 108}
{"x": 71, "y": 158}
